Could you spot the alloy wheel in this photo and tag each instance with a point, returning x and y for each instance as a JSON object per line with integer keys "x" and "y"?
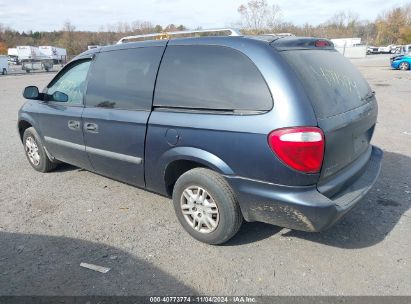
{"x": 32, "y": 151}
{"x": 199, "y": 209}
{"x": 403, "y": 66}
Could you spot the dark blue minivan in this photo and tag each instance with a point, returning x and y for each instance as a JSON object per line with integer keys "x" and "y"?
{"x": 260, "y": 128}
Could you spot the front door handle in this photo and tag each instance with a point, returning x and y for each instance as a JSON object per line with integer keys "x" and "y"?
{"x": 73, "y": 124}
{"x": 91, "y": 127}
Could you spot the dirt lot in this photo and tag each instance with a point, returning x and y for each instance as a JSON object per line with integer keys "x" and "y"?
{"x": 50, "y": 223}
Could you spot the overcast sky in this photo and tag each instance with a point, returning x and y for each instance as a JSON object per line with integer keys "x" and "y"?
{"x": 49, "y": 15}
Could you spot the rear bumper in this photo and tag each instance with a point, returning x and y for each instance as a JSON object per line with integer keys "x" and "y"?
{"x": 302, "y": 208}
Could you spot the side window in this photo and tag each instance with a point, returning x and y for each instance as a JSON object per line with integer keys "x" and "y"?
{"x": 210, "y": 77}
{"x": 72, "y": 82}
{"x": 124, "y": 79}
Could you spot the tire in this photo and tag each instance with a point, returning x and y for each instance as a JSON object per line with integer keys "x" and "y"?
{"x": 404, "y": 66}
{"x": 226, "y": 215}
{"x": 4, "y": 72}
{"x": 31, "y": 141}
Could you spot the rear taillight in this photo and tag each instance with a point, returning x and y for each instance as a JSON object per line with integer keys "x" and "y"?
{"x": 322, "y": 43}
{"x": 301, "y": 148}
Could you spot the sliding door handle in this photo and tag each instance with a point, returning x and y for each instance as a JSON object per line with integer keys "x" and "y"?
{"x": 91, "y": 127}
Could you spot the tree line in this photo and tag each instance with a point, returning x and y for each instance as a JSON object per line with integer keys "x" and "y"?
{"x": 392, "y": 26}
{"x": 76, "y": 41}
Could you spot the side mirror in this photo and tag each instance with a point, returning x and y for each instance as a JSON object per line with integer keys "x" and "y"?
{"x": 59, "y": 96}
{"x": 31, "y": 92}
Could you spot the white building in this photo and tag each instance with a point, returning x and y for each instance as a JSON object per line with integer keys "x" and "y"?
{"x": 350, "y": 47}
{"x": 341, "y": 42}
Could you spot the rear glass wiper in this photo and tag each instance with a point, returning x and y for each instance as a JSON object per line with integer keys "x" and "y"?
{"x": 367, "y": 97}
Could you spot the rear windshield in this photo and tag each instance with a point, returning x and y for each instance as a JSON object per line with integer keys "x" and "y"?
{"x": 332, "y": 83}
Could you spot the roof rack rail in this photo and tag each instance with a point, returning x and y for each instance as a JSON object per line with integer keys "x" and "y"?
{"x": 167, "y": 35}
{"x": 279, "y": 34}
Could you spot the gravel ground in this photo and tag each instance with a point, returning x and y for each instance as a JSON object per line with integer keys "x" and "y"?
{"x": 50, "y": 223}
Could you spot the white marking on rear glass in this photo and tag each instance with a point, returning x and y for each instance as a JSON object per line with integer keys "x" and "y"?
{"x": 336, "y": 80}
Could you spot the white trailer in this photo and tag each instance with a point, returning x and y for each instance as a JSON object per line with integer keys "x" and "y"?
{"x": 4, "y": 65}
{"x": 32, "y": 58}
{"x": 29, "y": 53}
{"x": 58, "y": 55}
{"x": 350, "y": 47}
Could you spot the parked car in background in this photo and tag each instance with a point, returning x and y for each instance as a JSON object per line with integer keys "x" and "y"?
{"x": 372, "y": 50}
{"x": 386, "y": 49}
{"x": 403, "y": 49}
{"x": 13, "y": 60}
{"x": 4, "y": 65}
{"x": 266, "y": 128}
{"x": 401, "y": 62}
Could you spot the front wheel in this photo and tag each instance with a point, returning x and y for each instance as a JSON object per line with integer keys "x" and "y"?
{"x": 35, "y": 151}
{"x": 206, "y": 206}
{"x": 404, "y": 66}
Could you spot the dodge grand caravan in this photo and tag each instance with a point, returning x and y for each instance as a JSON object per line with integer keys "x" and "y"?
{"x": 233, "y": 128}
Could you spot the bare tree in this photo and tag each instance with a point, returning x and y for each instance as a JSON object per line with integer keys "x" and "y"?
{"x": 258, "y": 16}
{"x": 170, "y": 28}
{"x": 394, "y": 26}
{"x": 158, "y": 28}
{"x": 67, "y": 39}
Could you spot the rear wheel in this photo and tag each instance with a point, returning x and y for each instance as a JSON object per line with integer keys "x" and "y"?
{"x": 404, "y": 66}
{"x": 206, "y": 206}
{"x": 4, "y": 72}
{"x": 35, "y": 152}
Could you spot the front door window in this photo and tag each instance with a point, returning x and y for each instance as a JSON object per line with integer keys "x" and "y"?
{"x": 72, "y": 83}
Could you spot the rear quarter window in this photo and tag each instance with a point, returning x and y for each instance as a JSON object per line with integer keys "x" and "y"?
{"x": 210, "y": 77}
{"x": 332, "y": 83}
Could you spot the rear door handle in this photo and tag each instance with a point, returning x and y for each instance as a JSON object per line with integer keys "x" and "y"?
{"x": 73, "y": 124}
{"x": 91, "y": 127}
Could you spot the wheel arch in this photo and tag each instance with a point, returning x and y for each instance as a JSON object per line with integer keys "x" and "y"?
{"x": 179, "y": 160}
{"x": 22, "y": 126}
